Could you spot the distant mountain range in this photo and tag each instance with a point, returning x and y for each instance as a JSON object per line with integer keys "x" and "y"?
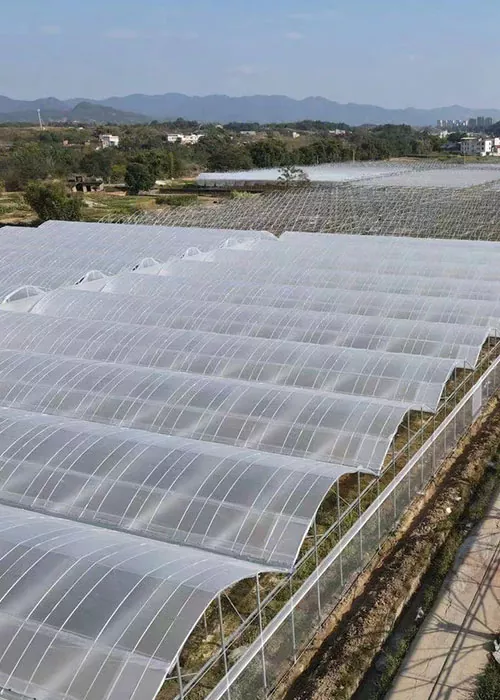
{"x": 52, "y": 110}
{"x": 136, "y": 109}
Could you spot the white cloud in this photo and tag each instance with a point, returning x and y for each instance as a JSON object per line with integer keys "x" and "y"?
{"x": 50, "y": 29}
{"x": 294, "y": 36}
{"x": 122, "y": 33}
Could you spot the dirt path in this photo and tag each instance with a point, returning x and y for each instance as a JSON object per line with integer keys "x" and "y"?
{"x": 451, "y": 647}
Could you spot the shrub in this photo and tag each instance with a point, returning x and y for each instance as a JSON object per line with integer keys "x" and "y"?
{"x": 51, "y": 201}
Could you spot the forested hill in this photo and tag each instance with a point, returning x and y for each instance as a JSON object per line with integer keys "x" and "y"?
{"x": 263, "y": 109}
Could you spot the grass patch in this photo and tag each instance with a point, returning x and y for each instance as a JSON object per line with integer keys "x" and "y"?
{"x": 103, "y": 205}
{"x": 488, "y": 683}
{"x": 177, "y": 200}
{"x": 13, "y": 208}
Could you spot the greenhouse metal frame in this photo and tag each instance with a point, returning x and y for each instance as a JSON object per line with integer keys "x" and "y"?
{"x": 421, "y": 198}
{"x": 159, "y": 450}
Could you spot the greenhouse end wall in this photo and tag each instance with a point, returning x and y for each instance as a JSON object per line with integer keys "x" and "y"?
{"x": 267, "y": 661}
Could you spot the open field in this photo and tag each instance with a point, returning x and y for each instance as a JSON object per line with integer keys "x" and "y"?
{"x": 106, "y": 205}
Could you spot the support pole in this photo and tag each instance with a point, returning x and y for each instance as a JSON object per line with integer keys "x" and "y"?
{"x": 179, "y": 679}
{"x": 261, "y": 629}
{"x": 292, "y": 617}
{"x": 394, "y": 476}
{"x": 316, "y": 561}
{"x": 340, "y": 537}
{"x": 359, "y": 516}
{"x": 422, "y": 475}
{"x": 379, "y": 523}
{"x": 223, "y": 644}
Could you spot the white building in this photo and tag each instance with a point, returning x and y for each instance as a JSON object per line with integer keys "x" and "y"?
{"x": 184, "y": 139}
{"x": 108, "y": 140}
{"x": 476, "y": 146}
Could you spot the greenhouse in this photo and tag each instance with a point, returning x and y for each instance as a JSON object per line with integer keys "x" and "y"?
{"x": 205, "y": 436}
{"x": 417, "y": 198}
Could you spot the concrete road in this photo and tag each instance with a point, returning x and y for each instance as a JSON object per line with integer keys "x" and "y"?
{"x": 452, "y": 645}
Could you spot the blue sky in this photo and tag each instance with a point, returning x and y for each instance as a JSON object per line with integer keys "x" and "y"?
{"x": 394, "y": 53}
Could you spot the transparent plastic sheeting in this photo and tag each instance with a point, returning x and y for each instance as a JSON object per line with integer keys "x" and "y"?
{"x": 330, "y": 172}
{"x": 452, "y": 341}
{"x": 342, "y": 246}
{"x": 365, "y": 303}
{"x": 352, "y": 431}
{"x": 389, "y": 245}
{"x": 184, "y": 425}
{"x": 484, "y": 269}
{"x": 411, "y": 379}
{"x": 238, "y": 262}
{"x": 336, "y": 279}
{"x": 88, "y": 613}
{"x": 60, "y": 253}
{"x": 228, "y": 500}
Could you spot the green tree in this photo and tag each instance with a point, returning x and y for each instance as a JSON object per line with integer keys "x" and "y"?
{"x": 269, "y": 153}
{"x": 98, "y": 163}
{"x": 118, "y": 173}
{"x": 138, "y": 177}
{"x": 51, "y": 201}
{"x": 291, "y": 175}
{"x": 229, "y": 157}
{"x": 31, "y": 161}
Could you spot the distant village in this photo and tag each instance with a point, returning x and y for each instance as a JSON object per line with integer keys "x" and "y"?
{"x": 477, "y": 139}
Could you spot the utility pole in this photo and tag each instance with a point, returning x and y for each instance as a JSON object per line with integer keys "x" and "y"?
{"x": 42, "y": 128}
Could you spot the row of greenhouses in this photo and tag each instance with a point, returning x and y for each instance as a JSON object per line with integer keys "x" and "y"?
{"x": 205, "y": 436}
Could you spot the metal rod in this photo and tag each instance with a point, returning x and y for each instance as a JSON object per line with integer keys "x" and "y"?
{"x": 316, "y": 559}
{"x": 223, "y": 644}
{"x": 422, "y": 438}
{"x": 359, "y": 515}
{"x": 379, "y": 523}
{"x": 340, "y": 537}
{"x": 261, "y": 628}
{"x": 179, "y": 678}
{"x": 292, "y": 616}
{"x": 394, "y": 476}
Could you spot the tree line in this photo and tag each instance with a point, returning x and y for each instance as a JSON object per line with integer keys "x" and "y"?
{"x": 145, "y": 154}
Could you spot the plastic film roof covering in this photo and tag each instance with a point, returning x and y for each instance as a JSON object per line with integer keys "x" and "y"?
{"x": 186, "y": 460}
{"x": 269, "y": 257}
{"x": 91, "y": 613}
{"x": 328, "y": 300}
{"x": 412, "y": 379}
{"x": 329, "y": 172}
{"x": 391, "y": 245}
{"x": 311, "y": 277}
{"x": 235, "y": 502}
{"x": 60, "y": 252}
{"x": 343, "y": 279}
{"x": 450, "y": 341}
{"x": 351, "y": 431}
